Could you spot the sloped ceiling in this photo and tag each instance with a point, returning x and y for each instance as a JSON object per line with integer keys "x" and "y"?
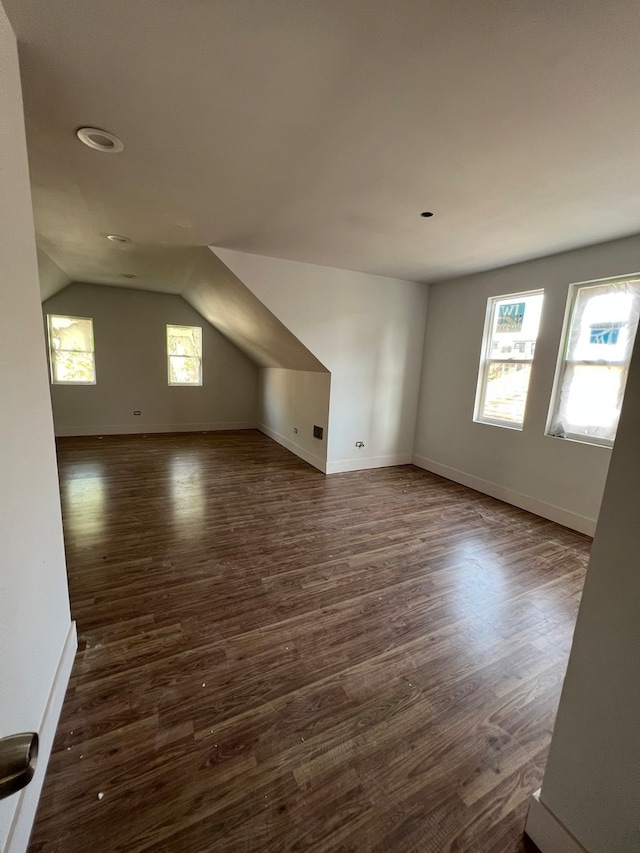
{"x": 52, "y": 278}
{"x": 222, "y": 299}
{"x": 319, "y": 131}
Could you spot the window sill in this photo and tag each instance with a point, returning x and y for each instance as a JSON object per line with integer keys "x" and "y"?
{"x": 579, "y": 439}
{"x": 502, "y": 424}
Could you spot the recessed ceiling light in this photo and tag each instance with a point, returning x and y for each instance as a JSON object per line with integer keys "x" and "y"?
{"x": 100, "y": 140}
{"x": 426, "y": 213}
{"x": 116, "y": 238}
{"x": 128, "y": 275}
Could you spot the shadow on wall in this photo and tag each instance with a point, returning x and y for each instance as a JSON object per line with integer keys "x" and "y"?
{"x": 225, "y": 301}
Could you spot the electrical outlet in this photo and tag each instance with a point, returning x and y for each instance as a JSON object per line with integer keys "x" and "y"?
{"x": 359, "y": 443}
{"x": 137, "y": 412}
{"x": 295, "y": 429}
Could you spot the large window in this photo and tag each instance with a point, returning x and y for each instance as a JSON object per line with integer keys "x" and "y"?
{"x": 593, "y": 369}
{"x": 184, "y": 355}
{"x": 509, "y": 342}
{"x": 71, "y": 350}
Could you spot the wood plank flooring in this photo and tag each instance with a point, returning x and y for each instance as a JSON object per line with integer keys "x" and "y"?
{"x": 274, "y": 660}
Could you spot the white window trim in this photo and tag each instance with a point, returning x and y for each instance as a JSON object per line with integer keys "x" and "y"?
{"x": 91, "y": 352}
{"x": 486, "y": 361}
{"x": 562, "y": 361}
{"x": 171, "y": 384}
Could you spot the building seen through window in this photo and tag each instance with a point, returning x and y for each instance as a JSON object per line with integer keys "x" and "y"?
{"x": 509, "y": 342}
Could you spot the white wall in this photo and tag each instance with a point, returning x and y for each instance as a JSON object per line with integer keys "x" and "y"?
{"x": 291, "y": 403}
{"x": 556, "y": 478}
{"x": 368, "y": 331}
{"x": 592, "y": 780}
{"x": 131, "y": 368}
{"x": 35, "y": 622}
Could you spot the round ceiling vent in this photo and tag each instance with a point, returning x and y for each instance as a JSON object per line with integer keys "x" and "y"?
{"x": 100, "y": 140}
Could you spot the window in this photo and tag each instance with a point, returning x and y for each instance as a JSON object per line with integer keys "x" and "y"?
{"x": 71, "y": 351}
{"x": 184, "y": 355}
{"x": 592, "y": 373}
{"x": 509, "y": 342}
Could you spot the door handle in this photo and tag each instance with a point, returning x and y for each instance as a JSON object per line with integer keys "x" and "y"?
{"x": 18, "y": 756}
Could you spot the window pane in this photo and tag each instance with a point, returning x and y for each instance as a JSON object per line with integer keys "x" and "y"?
{"x": 600, "y": 325}
{"x": 73, "y": 367}
{"x": 71, "y": 333}
{"x": 184, "y": 370}
{"x": 509, "y": 343}
{"x": 604, "y": 319}
{"x": 71, "y": 349}
{"x": 591, "y": 399}
{"x": 184, "y": 340}
{"x": 184, "y": 350}
{"x": 505, "y": 393}
{"x": 515, "y": 326}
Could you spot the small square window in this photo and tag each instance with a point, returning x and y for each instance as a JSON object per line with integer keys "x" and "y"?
{"x": 184, "y": 355}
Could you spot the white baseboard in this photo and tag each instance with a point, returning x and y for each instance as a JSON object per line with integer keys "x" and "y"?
{"x": 363, "y": 463}
{"x": 547, "y": 832}
{"x": 25, "y": 813}
{"x": 317, "y": 461}
{"x": 144, "y": 428}
{"x": 495, "y": 490}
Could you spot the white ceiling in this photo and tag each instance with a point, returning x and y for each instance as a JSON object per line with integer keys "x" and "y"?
{"x": 317, "y": 130}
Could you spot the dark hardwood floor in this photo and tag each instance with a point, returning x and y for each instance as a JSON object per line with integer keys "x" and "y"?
{"x": 274, "y": 660}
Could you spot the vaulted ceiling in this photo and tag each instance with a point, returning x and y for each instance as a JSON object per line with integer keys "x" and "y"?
{"x": 318, "y": 131}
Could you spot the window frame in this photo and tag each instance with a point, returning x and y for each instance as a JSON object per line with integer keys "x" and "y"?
{"x": 92, "y": 352}
{"x": 486, "y": 361}
{"x": 200, "y": 381}
{"x": 563, "y": 360}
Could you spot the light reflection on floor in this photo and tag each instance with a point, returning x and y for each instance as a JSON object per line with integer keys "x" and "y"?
{"x": 486, "y": 603}
{"x": 187, "y": 495}
{"x": 483, "y": 596}
{"x": 84, "y": 498}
